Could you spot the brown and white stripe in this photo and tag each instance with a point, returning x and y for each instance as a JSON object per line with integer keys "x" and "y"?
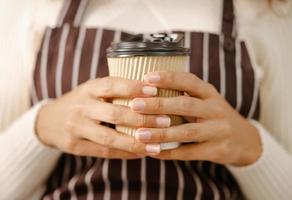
{"x": 60, "y": 62}
{"x": 72, "y": 54}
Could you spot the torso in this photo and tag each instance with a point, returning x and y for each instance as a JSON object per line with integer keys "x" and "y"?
{"x": 71, "y": 55}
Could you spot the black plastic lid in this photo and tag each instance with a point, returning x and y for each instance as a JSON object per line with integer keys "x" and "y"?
{"x": 154, "y": 45}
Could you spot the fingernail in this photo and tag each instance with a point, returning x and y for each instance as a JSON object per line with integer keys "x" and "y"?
{"x": 143, "y": 134}
{"x": 137, "y": 104}
{"x": 163, "y": 121}
{"x": 152, "y": 78}
{"x": 148, "y": 90}
{"x": 153, "y": 148}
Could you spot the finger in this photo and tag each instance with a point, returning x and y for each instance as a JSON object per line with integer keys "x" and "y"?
{"x": 87, "y": 148}
{"x": 181, "y": 105}
{"x": 108, "y": 87}
{"x": 190, "y": 132}
{"x": 110, "y": 138}
{"x": 122, "y": 115}
{"x": 195, "y": 151}
{"x": 181, "y": 81}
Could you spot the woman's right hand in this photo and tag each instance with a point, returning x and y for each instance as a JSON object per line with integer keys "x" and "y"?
{"x": 71, "y": 123}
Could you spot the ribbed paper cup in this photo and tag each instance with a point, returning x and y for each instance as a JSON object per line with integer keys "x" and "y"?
{"x": 134, "y": 68}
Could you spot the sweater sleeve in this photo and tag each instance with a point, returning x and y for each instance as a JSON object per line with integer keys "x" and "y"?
{"x": 25, "y": 162}
{"x": 270, "y": 177}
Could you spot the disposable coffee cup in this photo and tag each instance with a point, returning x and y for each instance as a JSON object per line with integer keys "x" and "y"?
{"x": 133, "y": 59}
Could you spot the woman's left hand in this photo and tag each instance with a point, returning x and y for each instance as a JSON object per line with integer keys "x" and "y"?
{"x": 215, "y": 132}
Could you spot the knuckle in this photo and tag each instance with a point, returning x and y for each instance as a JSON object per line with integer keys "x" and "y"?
{"x": 90, "y": 82}
{"x": 70, "y": 144}
{"x": 107, "y": 140}
{"x": 72, "y": 118}
{"x": 225, "y": 148}
{"x": 225, "y": 127}
{"x": 192, "y": 76}
{"x": 85, "y": 88}
{"x": 78, "y": 110}
{"x": 105, "y": 153}
{"x": 162, "y": 134}
{"x": 186, "y": 104}
{"x": 114, "y": 115}
{"x": 169, "y": 76}
{"x": 134, "y": 147}
{"x": 218, "y": 110}
{"x": 173, "y": 155}
{"x": 106, "y": 85}
{"x": 133, "y": 87}
{"x": 142, "y": 120}
{"x": 158, "y": 104}
{"x": 78, "y": 149}
{"x": 70, "y": 126}
{"x": 189, "y": 133}
{"x": 222, "y": 151}
{"x": 211, "y": 88}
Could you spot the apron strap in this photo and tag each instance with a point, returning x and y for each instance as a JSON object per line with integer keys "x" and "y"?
{"x": 72, "y": 12}
{"x": 228, "y": 18}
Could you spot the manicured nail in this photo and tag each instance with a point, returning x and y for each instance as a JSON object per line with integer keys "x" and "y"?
{"x": 153, "y": 148}
{"x": 137, "y": 104}
{"x": 152, "y": 78}
{"x": 163, "y": 121}
{"x": 143, "y": 134}
{"x": 148, "y": 90}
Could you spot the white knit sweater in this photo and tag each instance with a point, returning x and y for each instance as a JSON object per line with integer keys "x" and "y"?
{"x": 25, "y": 163}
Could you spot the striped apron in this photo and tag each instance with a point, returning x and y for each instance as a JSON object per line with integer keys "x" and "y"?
{"x": 71, "y": 54}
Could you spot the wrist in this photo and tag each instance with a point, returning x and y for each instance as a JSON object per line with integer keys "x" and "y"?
{"x": 251, "y": 149}
{"x": 41, "y": 124}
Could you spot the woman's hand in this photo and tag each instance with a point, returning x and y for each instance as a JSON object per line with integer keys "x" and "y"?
{"x": 220, "y": 133}
{"x": 71, "y": 123}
